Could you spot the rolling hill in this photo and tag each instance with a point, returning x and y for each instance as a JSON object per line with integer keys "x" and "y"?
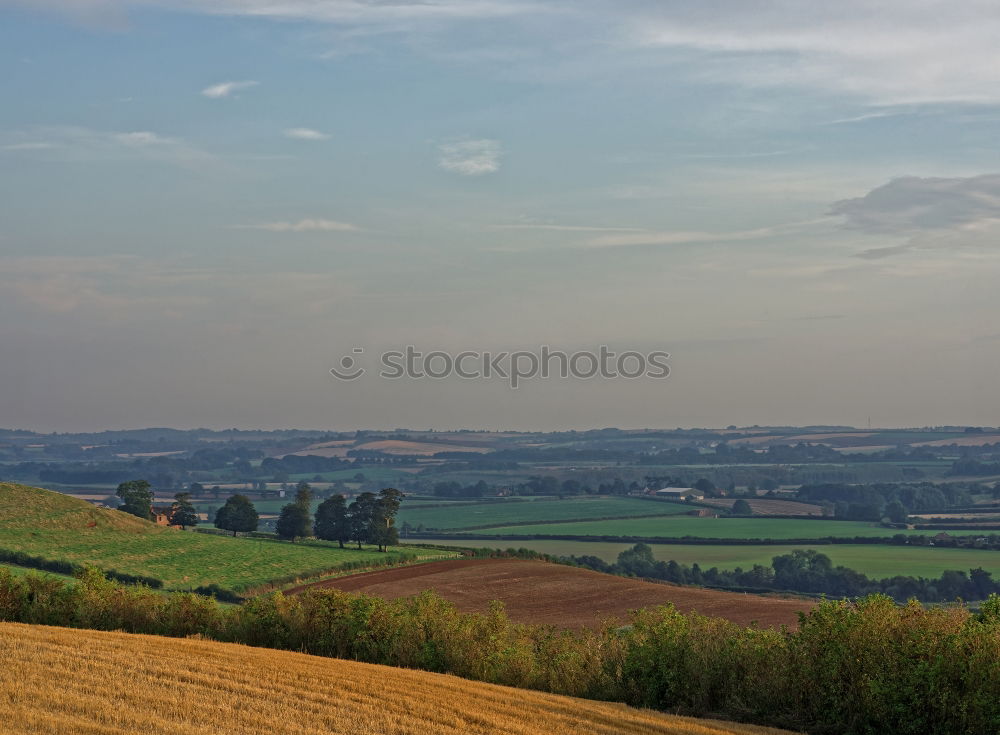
{"x": 58, "y": 680}
{"x": 59, "y": 527}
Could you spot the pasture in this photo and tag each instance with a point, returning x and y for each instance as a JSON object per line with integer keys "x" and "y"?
{"x": 735, "y": 528}
{"x": 58, "y": 680}
{"x": 473, "y": 515}
{"x": 54, "y": 526}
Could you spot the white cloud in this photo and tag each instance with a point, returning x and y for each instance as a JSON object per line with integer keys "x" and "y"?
{"x": 303, "y": 225}
{"x": 306, "y": 134}
{"x": 470, "y": 157}
{"x": 31, "y": 146}
{"x": 217, "y": 91}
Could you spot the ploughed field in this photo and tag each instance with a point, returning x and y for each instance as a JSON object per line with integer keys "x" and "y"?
{"x": 59, "y": 680}
{"x": 555, "y": 594}
{"x": 60, "y": 528}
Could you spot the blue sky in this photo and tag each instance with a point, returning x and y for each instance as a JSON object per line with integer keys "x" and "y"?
{"x": 203, "y": 205}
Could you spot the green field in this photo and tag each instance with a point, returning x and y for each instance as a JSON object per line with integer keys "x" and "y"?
{"x": 55, "y": 526}
{"x": 474, "y": 515}
{"x": 873, "y": 560}
{"x": 694, "y": 527}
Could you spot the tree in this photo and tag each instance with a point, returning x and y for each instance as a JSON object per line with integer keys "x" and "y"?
{"x": 237, "y": 515}
{"x": 303, "y": 494}
{"x": 182, "y": 512}
{"x": 332, "y": 522}
{"x": 742, "y": 508}
{"x": 137, "y": 498}
{"x": 896, "y": 512}
{"x": 293, "y": 522}
{"x": 361, "y": 512}
{"x": 383, "y": 523}
{"x": 705, "y": 486}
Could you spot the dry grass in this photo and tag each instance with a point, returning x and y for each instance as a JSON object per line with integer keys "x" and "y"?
{"x": 61, "y": 681}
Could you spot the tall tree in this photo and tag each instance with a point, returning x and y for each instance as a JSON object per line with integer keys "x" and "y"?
{"x": 295, "y": 520}
{"x": 361, "y": 512}
{"x": 332, "y": 522}
{"x": 137, "y": 498}
{"x": 383, "y": 524}
{"x": 303, "y": 494}
{"x": 237, "y": 515}
{"x": 182, "y": 512}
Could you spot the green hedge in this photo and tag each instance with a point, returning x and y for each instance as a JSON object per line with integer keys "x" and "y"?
{"x": 58, "y": 566}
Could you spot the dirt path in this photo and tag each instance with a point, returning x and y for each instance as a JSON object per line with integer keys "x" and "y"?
{"x": 540, "y": 592}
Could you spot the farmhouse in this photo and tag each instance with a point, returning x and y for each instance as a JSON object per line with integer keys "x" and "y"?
{"x": 679, "y": 493}
{"x": 160, "y": 516}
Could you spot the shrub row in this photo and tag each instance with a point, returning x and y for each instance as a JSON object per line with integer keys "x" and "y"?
{"x": 690, "y": 540}
{"x": 863, "y": 668}
{"x": 59, "y": 566}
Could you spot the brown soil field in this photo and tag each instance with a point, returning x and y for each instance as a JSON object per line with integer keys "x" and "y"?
{"x": 770, "y": 507}
{"x": 59, "y": 681}
{"x": 555, "y": 594}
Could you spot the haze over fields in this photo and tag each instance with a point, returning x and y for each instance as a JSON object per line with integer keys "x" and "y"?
{"x": 204, "y": 206}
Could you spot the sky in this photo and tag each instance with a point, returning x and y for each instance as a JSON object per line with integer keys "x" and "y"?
{"x": 206, "y": 204}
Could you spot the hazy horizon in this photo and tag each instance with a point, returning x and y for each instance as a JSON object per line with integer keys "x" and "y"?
{"x": 205, "y": 206}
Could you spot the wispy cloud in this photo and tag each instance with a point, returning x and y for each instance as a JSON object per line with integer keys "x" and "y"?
{"x": 142, "y": 138}
{"x": 685, "y": 237}
{"x": 567, "y": 228}
{"x": 303, "y": 225}
{"x": 470, "y": 157}
{"x": 306, "y": 134}
{"x": 31, "y": 146}
{"x": 79, "y": 143}
{"x": 225, "y": 89}
{"x": 894, "y": 52}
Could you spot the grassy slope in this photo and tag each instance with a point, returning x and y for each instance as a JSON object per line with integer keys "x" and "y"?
{"x": 762, "y": 528}
{"x": 483, "y": 514}
{"x": 57, "y": 680}
{"x": 56, "y": 526}
{"x": 873, "y": 560}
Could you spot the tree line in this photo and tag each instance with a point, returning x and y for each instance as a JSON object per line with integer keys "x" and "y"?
{"x": 803, "y": 570}
{"x": 369, "y": 519}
